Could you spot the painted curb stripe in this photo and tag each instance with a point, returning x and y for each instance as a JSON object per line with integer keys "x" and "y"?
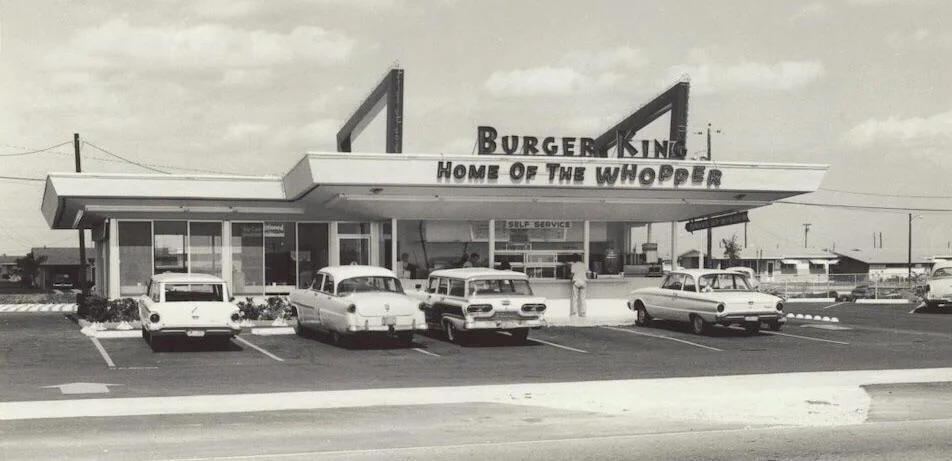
{"x": 625, "y": 330}
{"x": 259, "y": 349}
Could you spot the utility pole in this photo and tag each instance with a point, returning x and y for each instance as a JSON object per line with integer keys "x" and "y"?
{"x": 710, "y": 256}
{"x": 806, "y": 230}
{"x": 82, "y": 234}
{"x": 909, "y": 249}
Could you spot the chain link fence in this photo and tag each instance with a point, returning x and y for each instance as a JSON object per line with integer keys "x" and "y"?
{"x": 843, "y": 287}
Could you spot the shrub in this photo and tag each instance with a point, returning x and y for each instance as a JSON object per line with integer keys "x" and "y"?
{"x": 98, "y": 309}
{"x": 275, "y": 307}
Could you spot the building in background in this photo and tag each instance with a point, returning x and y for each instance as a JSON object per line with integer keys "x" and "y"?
{"x": 59, "y": 268}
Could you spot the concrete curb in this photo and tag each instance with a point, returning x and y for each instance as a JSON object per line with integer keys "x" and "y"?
{"x": 883, "y": 301}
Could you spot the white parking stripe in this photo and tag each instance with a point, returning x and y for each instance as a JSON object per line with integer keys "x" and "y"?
{"x": 625, "y": 330}
{"x": 259, "y": 349}
{"x": 804, "y": 337}
{"x": 422, "y": 351}
{"x": 834, "y": 305}
{"x": 102, "y": 352}
{"x": 557, "y": 345}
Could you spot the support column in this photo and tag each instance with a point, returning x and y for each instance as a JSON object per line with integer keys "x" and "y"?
{"x": 376, "y": 232}
{"x": 492, "y": 244}
{"x": 586, "y": 241}
{"x": 227, "y": 263}
{"x": 394, "y": 251}
{"x": 674, "y": 245}
{"x": 333, "y": 246}
{"x": 113, "y": 269}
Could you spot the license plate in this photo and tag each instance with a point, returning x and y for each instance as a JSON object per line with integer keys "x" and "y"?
{"x": 752, "y": 318}
{"x": 195, "y": 333}
{"x": 389, "y": 320}
{"x": 507, "y": 325}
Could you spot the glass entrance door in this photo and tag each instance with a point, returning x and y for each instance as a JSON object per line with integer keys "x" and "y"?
{"x": 353, "y": 239}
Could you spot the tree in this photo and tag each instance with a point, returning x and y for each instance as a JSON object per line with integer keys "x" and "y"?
{"x": 29, "y": 266}
{"x": 731, "y": 250}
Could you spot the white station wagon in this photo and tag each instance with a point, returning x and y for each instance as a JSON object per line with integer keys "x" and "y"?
{"x": 938, "y": 292}
{"x": 459, "y": 301}
{"x": 347, "y": 301}
{"x": 192, "y": 306}
{"x": 707, "y": 297}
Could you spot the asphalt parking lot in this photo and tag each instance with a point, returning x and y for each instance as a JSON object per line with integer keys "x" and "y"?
{"x": 39, "y": 350}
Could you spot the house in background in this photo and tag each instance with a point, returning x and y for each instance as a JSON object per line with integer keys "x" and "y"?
{"x": 883, "y": 263}
{"x": 59, "y": 267}
{"x": 778, "y": 264}
{"x": 8, "y": 265}
{"x": 691, "y": 259}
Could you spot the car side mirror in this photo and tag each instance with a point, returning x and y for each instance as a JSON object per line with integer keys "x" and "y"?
{"x": 418, "y": 286}
{"x": 231, "y": 299}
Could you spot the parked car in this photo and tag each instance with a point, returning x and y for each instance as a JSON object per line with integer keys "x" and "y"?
{"x": 189, "y": 306}
{"x": 706, "y": 297}
{"x": 938, "y": 292}
{"x": 62, "y": 282}
{"x": 862, "y": 291}
{"x": 463, "y": 301}
{"x": 348, "y": 301}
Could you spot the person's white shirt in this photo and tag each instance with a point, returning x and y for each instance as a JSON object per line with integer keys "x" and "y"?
{"x": 578, "y": 270}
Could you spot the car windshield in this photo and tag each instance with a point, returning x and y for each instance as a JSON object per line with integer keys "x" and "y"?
{"x": 500, "y": 286}
{"x": 943, "y": 272}
{"x": 369, "y": 284}
{"x": 175, "y": 292}
{"x": 724, "y": 282}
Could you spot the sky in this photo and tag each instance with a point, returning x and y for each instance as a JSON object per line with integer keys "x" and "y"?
{"x": 247, "y": 87}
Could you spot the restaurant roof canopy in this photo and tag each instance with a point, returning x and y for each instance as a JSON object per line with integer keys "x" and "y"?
{"x": 351, "y": 186}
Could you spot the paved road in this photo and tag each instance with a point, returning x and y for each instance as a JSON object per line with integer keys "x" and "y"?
{"x": 908, "y": 420}
{"x": 475, "y": 432}
{"x": 40, "y": 349}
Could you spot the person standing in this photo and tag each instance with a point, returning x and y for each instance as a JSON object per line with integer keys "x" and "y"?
{"x": 579, "y": 283}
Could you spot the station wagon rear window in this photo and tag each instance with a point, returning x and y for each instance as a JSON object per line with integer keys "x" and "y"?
{"x": 500, "y": 286}
{"x": 176, "y": 292}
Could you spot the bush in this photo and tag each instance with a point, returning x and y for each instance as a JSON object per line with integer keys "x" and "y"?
{"x": 98, "y": 309}
{"x": 275, "y": 307}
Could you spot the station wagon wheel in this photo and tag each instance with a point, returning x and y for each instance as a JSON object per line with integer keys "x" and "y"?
{"x": 405, "y": 337}
{"x": 643, "y": 318}
{"x": 336, "y": 338}
{"x": 453, "y": 335}
{"x": 698, "y": 325}
{"x": 520, "y": 335}
{"x": 752, "y": 328}
{"x": 299, "y": 328}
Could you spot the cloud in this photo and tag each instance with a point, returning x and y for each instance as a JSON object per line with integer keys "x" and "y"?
{"x": 228, "y": 9}
{"x": 576, "y": 72}
{"x": 318, "y": 135}
{"x": 240, "y": 132}
{"x": 919, "y": 39}
{"x": 247, "y": 77}
{"x": 539, "y": 81}
{"x": 910, "y": 132}
{"x": 117, "y": 43}
{"x": 781, "y": 76}
{"x": 812, "y": 12}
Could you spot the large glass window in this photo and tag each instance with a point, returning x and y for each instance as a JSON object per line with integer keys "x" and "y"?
{"x": 354, "y": 242}
{"x": 279, "y": 266}
{"x": 247, "y": 266}
{"x": 135, "y": 257}
{"x": 170, "y": 250}
{"x": 204, "y": 241}
{"x": 312, "y": 254}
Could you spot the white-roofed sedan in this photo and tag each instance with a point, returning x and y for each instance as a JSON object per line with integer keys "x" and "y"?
{"x": 706, "y": 297}
{"x": 348, "y": 301}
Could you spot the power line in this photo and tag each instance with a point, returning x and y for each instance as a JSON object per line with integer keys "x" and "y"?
{"x": 123, "y": 158}
{"x": 868, "y": 207}
{"x": 20, "y": 154}
{"x": 20, "y": 178}
{"x": 875, "y": 194}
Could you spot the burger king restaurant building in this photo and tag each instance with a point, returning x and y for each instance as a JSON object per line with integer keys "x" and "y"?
{"x": 412, "y": 213}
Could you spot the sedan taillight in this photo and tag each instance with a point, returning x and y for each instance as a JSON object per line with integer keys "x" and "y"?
{"x": 351, "y": 308}
{"x": 235, "y": 317}
{"x": 533, "y": 308}
{"x": 154, "y": 318}
{"x": 780, "y": 307}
